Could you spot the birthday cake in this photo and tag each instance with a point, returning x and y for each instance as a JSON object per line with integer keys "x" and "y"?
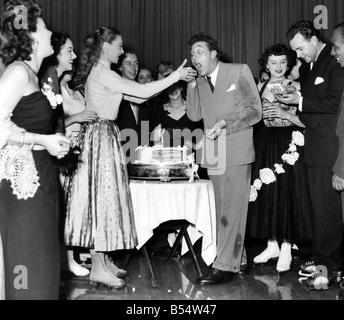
{"x": 161, "y": 155}
{"x": 158, "y": 162}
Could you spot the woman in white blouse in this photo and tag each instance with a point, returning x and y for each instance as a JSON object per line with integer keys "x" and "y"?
{"x": 99, "y": 207}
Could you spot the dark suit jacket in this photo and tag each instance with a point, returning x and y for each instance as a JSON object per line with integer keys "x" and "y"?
{"x": 126, "y": 120}
{"x": 320, "y": 107}
{"x": 235, "y": 100}
{"x": 338, "y": 168}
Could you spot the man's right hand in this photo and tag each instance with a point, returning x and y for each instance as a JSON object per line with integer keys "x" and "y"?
{"x": 337, "y": 182}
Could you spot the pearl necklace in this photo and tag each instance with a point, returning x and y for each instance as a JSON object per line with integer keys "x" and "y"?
{"x": 30, "y": 69}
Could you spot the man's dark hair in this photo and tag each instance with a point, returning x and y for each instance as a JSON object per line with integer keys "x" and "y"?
{"x": 305, "y": 28}
{"x": 340, "y": 27}
{"x": 211, "y": 43}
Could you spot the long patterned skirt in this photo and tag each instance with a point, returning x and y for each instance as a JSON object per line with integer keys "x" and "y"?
{"x": 99, "y": 211}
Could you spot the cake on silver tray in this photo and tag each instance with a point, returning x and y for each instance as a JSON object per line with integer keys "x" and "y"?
{"x": 161, "y": 163}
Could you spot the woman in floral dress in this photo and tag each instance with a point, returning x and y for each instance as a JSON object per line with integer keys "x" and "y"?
{"x": 280, "y": 208}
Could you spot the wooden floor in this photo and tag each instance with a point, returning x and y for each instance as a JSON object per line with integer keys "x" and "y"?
{"x": 176, "y": 281}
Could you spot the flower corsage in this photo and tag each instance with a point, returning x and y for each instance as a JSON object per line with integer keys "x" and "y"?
{"x": 53, "y": 98}
{"x": 267, "y": 175}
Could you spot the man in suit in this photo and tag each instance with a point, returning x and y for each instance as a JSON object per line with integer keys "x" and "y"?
{"x": 229, "y": 105}
{"x": 322, "y": 84}
{"x": 338, "y": 168}
{"x": 133, "y": 120}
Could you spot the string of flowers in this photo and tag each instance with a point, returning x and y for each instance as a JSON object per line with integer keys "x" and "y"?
{"x": 268, "y": 175}
{"x": 54, "y": 99}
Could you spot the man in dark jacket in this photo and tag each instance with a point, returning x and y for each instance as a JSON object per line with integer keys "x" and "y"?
{"x": 322, "y": 84}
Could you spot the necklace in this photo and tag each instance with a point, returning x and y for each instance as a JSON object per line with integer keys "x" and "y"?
{"x": 180, "y": 105}
{"x": 30, "y": 69}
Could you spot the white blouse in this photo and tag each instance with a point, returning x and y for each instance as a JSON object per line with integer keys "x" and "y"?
{"x": 105, "y": 90}
{"x": 73, "y": 102}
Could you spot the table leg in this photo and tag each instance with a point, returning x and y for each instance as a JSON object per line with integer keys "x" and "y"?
{"x": 149, "y": 264}
{"x": 189, "y": 243}
{"x": 175, "y": 246}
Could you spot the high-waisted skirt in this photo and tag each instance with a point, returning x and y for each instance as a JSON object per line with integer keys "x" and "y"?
{"x": 282, "y": 210}
{"x": 99, "y": 211}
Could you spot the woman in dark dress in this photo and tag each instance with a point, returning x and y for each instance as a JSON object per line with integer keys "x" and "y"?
{"x": 173, "y": 127}
{"x": 28, "y": 181}
{"x": 280, "y": 211}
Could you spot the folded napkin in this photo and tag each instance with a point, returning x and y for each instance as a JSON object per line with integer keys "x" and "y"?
{"x": 193, "y": 169}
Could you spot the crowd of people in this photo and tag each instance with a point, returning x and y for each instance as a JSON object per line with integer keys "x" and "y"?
{"x": 272, "y": 148}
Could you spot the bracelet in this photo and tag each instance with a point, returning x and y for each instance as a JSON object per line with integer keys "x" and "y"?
{"x": 33, "y": 141}
{"x": 22, "y": 139}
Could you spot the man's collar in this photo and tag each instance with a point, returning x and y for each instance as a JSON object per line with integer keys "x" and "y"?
{"x": 213, "y": 75}
{"x": 322, "y": 48}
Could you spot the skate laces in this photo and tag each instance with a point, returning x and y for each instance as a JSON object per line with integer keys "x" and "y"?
{"x": 316, "y": 274}
{"x": 309, "y": 264}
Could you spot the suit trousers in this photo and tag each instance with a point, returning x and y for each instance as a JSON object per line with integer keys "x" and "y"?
{"x": 327, "y": 218}
{"x": 232, "y": 190}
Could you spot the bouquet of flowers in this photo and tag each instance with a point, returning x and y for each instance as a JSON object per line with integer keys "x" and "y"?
{"x": 53, "y": 98}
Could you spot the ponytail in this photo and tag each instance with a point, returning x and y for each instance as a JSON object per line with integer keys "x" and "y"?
{"x": 91, "y": 50}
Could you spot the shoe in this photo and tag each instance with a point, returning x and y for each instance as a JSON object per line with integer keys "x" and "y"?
{"x": 285, "y": 259}
{"x": 215, "y": 276}
{"x": 118, "y": 272}
{"x": 272, "y": 251}
{"x": 307, "y": 268}
{"x": 319, "y": 281}
{"x": 101, "y": 275}
{"x": 72, "y": 266}
{"x": 244, "y": 268}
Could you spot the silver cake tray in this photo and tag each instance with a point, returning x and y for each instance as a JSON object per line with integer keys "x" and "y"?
{"x": 159, "y": 171}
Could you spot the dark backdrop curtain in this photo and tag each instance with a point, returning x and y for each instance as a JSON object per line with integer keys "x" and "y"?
{"x": 160, "y": 29}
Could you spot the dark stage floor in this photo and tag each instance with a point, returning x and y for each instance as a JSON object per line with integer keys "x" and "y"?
{"x": 176, "y": 281}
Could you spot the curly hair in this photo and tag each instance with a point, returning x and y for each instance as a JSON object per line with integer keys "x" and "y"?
{"x": 7, "y": 48}
{"x": 211, "y": 43}
{"x": 58, "y": 39}
{"x": 18, "y": 40}
{"x": 305, "y": 28}
{"x": 91, "y": 50}
{"x": 278, "y": 50}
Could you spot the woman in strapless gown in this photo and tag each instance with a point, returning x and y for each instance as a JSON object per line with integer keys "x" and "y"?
{"x": 281, "y": 213}
{"x": 28, "y": 180}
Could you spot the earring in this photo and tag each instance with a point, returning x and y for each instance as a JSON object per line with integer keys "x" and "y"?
{"x": 36, "y": 45}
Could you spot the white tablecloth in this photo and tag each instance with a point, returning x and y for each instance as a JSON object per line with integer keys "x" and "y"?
{"x": 156, "y": 202}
